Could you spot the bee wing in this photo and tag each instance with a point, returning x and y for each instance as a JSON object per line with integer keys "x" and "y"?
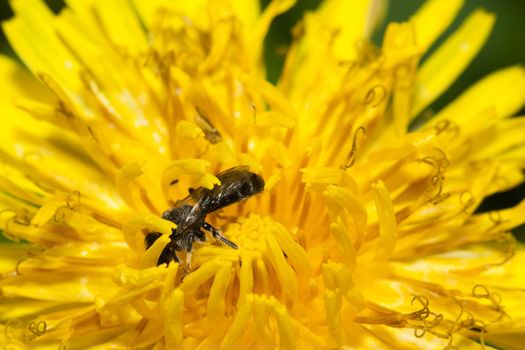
{"x": 227, "y": 177}
{"x": 193, "y": 216}
{"x": 189, "y": 200}
{"x": 196, "y": 195}
{"x": 206, "y": 200}
{"x": 236, "y": 184}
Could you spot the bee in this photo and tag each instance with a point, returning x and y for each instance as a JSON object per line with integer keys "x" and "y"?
{"x": 237, "y": 184}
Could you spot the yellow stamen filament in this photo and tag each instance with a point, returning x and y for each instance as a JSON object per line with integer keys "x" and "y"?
{"x": 387, "y": 221}
{"x": 152, "y": 223}
{"x": 173, "y": 326}
{"x": 352, "y": 156}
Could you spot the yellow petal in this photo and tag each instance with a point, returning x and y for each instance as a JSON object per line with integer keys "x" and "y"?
{"x": 503, "y": 90}
{"x": 444, "y": 66}
{"x": 123, "y": 30}
{"x": 432, "y": 19}
{"x": 350, "y": 19}
{"x": 35, "y": 42}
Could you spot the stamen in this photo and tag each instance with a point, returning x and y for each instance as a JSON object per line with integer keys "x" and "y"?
{"x": 262, "y": 278}
{"x": 216, "y": 306}
{"x": 37, "y": 329}
{"x": 423, "y": 300}
{"x": 386, "y": 219}
{"x": 254, "y": 109}
{"x": 44, "y": 187}
{"x": 421, "y": 330}
{"x": 346, "y": 249}
{"x": 34, "y": 251}
{"x": 261, "y": 318}
{"x": 305, "y": 210}
{"x": 19, "y": 219}
{"x": 151, "y": 255}
{"x": 132, "y": 230}
{"x": 287, "y": 338}
{"x": 72, "y": 204}
{"x": 437, "y": 179}
{"x": 92, "y": 134}
{"x": 500, "y": 236}
{"x": 275, "y": 119}
{"x": 66, "y": 105}
{"x": 466, "y": 203}
{"x": 372, "y": 94}
{"x": 245, "y": 277}
{"x": 210, "y": 132}
{"x": 495, "y": 217}
{"x": 352, "y": 67}
{"x": 104, "y": 103}
{"x": 18, "y": 330}
{"x": 482, "y": 292}
{"x": 14, "y": 330}
{"x": 238, "y": 325}
{"x": 333, "y": 303}
{"x": 280, "y": 154}
{"x": 201, "y": 275}
{"x": 443, "y": 160}
{"x": 274, "y": 179}
{"x": 450, "y": 346}
{"x": 173, "y": 325}
{"x": 429, "y": 320}
{"x": 222, "y": 34}
{"x": 481, "y": 327}
{"x": 161, "y": 64}
{"x": 135, "y": 333}
{"x": 315, "y": 177}
{"x": 194, "y": 168}
{"x": 403, "y": 74}
{"x": 286, "y": 276}
{"x": 447, "y": 125}
{"x": 169, "y": 284}
{"x": 456, "y": 325}
{"x": 338, "y": 277}
{"x": 352, "y": 156}
{"x": 39, "y": 110}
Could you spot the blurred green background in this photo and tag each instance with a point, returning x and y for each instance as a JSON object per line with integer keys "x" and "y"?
{"x": 505, "y": 47}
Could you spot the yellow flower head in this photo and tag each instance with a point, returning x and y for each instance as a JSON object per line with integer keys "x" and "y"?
{"x": 366, "y": 235}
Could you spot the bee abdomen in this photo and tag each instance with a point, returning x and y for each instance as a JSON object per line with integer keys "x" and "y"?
{"x": 151, "y": 238}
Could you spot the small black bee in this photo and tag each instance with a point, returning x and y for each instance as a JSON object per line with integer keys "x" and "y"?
{"x": 237, "y": 184}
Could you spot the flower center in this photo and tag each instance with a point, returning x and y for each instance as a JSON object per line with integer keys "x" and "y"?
{"x": 268, "y": 261}
{"x": 251, "y": 234}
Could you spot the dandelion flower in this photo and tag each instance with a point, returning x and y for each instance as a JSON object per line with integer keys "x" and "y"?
{"x": 366, "y": 235}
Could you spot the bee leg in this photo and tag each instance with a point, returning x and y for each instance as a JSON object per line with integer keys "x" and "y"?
{"x": 221, "y": 216}
{"x": 151, "y": 238}
{"x": 187, "y": 267}
{"x": 174, "y": 255}
{"x": 167, "y": 255}
{"x": 201, "y": 236}
{"x": 187, "y": 245}
{"x": 217, "y": 234}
